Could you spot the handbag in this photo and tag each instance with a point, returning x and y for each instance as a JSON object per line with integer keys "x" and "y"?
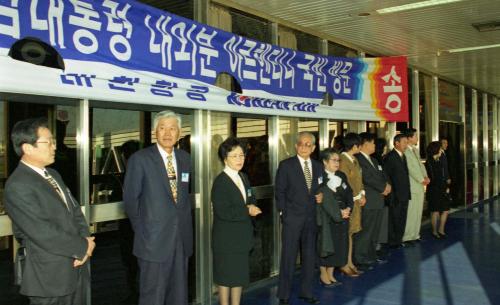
{"x": 19, "y": 265}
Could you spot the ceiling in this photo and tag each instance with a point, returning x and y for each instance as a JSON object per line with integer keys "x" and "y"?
{"x": 422, "y": 34}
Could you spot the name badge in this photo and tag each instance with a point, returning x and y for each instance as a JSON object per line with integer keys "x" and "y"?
{"x": 320, "y": 180}
{"x": 379, "y": 168}
{"x": 185, "y": 177}
{"x": 344, "y": 185}
{"x": 249, "y": 192}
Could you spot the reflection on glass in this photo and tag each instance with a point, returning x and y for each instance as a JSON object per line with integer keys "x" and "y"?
{"x": 261, "y": 256}
{"x": 468, "y": 145}
{"x": 111, "y": 128}
{"x": 490, "y": 145}
{"x": 480, "y": 117}
{"x": 288, "y": 129}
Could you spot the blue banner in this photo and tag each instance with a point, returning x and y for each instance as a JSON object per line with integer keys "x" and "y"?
{"x": 141, "y": 38}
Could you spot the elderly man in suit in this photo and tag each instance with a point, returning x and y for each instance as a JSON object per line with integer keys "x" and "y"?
{"x": 156, "y": 197}
{"x": 396, "y": 169}
{"x": 376, "y": 188}
{"x": 47, "y": 221}
{"x": 297, "y": 181}
{"x": 418, "y": 181}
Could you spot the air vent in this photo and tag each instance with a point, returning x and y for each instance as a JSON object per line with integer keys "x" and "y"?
{"x": 487, "y": 26}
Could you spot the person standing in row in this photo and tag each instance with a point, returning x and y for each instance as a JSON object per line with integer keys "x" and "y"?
{"x": 350, "y": 167}
{"x": 297, "y": 182}
{"x": 396, "y": 169}
{"x": 418, "y": 181}
{"x": 232, "y": 231}
{"x": 439, "y": 205}
{"x": 156, "y": 197}
{"x": 376, "y": 188}
{"x": 333, "y": 218}
{"x": 47, "y": 221}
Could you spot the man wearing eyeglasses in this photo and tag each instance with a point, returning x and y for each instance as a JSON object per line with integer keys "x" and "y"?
{"x": 47, "y": 221}
{"x": 297, "y": 182}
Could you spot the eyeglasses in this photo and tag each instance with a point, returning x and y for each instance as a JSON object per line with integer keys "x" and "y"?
{"x": 307, "y": 145}
{"x": 242, "y": 156}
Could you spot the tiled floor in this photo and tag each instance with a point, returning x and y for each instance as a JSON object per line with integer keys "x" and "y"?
{"x": 463, "y": 269}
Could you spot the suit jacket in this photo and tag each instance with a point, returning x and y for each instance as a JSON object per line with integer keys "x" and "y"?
{"x": 329, "y": 212}
{"x": 374, "y": 181}
{"x": 292, "y": 196}
{"x": 416, "y": 169}
{"x": 397, "y": 172}
{"x": 53, "y": 234}
{"x": 232, "y": 230}
{"x": 352, "y": 170}
{"x": 156, "y": 219}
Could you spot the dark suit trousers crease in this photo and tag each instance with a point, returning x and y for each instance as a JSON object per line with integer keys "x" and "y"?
{"x": 293, "y": 236}
{"x": 164, "y": 283}
{"x": 397, "y": 222}
{"x": 79, "y": 297}
{"x": 365, "y": 242}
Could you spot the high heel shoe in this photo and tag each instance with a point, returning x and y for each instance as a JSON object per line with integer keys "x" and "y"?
{"x": 326, "y": 285}
{"x": 349, "y": 272}
{"x": 442, "y": 235}
{"x": 436, "y": 235}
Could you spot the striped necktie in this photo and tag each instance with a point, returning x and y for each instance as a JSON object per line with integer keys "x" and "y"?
{"x": 55, "y": 186}
{"x": 307, "y": 174}
{"x": 172, "y": 177}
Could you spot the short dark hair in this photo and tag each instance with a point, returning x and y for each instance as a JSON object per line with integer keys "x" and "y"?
{"x": 398, "y": 137}
{"x": 410, "y": 132}
{"x": 350, "y": 140}
{"x": 366, "y": 137}
{"x": 26, "y": 132}
{"x": 327, "y": 153}
{"x": 228, "y": 146}
{"x": 380, "y": 143}
{"x": 433, "y": 148}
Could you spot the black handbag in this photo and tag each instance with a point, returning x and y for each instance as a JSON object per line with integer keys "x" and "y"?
{"x": 19, "y": 265}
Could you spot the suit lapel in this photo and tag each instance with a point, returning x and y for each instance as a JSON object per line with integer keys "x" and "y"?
{"x": 298, "y": 168}
{"x": 161, "y": 170}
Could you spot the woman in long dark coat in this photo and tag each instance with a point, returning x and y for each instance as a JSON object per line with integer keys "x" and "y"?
{"x": 232, "y": 232}
{"x": 437, "y": 190}
{"x": 333, "y": 218}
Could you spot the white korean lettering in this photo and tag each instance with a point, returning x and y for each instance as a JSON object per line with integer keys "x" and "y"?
{"x": 13, "y": 29}
{"x": 54, "y": 22}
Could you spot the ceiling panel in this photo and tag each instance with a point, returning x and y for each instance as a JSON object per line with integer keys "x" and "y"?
{"x": 420, "y": 34}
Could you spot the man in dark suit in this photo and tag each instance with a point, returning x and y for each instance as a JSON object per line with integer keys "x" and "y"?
{"x": 376, "y": 188}
{"x": 156, "y": 197}
{"x": 297, "y": 181}
{"x": 396, "y": 170}
{"x": 47, "y": 221}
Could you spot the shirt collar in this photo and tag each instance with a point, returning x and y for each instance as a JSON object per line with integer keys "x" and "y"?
{"x": 302, "y": 160}
{"x": 348, "y": 156}
{"x": 163, "y": 153}
{"x": 366, "y": 156}
{"x": 231, "y": 172}
{"x": 40, "y": 171}
{"x": 399, "y": 153}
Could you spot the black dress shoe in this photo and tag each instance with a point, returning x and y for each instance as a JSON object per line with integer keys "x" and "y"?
{"x": 284, "y": 302}
{"x": 443, "y": 235}
{"x": 310, "y": 300}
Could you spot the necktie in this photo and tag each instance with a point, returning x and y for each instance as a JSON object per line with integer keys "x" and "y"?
{"x": 307, "y": 174}
{"x": 172, "y": 177}
{"x": 53, "y": 183}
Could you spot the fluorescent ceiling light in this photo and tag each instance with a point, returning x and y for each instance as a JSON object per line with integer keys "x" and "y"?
{"x": 411, "y": 6}
{"x": 473, "y": 48}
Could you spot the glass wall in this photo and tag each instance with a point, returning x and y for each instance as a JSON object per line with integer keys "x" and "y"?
{"x": 3, "y": 156}
{"x": 468, "y": 146}
{"x": 491, "y": 161}
{"x": 480, "y": 117}
{"x": 424, "y": 108}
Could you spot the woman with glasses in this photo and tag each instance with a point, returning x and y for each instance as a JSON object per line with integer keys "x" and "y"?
{"x": 333, "y": 218}
{"x": 232, "y": 232}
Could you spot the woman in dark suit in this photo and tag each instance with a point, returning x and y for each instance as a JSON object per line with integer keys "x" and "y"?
{"x": 232, "y": 232}
{"x": 437, "y": 190}
{"x": 333, "y": 218}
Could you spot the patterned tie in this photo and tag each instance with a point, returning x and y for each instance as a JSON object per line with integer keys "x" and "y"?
{"x": 53, "y": 183}
{"x": 172, "y": 177}
{"x": 307, "y": 174}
